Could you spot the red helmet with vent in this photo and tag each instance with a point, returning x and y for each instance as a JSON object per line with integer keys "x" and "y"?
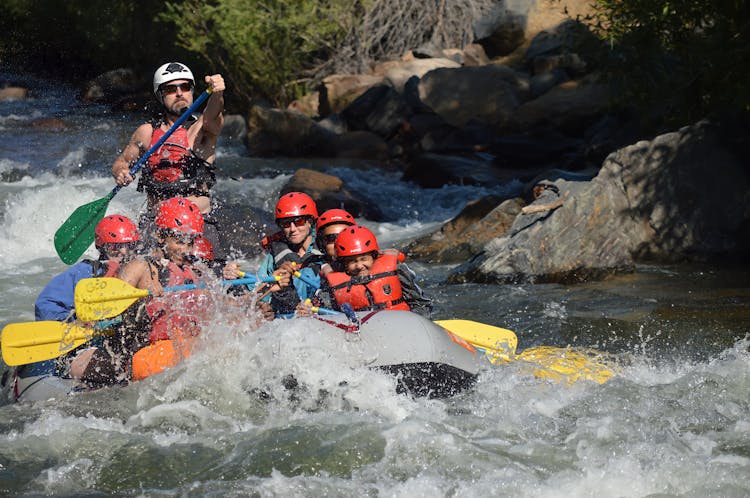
{"x": 296, "y": 204}
{"x": 181, "y": 215}
{"x": 334, "y": 217}
{"x": 354, "y": 241}
{"x": 115, "y": 229}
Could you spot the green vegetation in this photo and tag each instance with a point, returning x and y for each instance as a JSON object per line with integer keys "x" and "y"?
{"x": 678, "y": 60}
{"x": 267, "y": 49}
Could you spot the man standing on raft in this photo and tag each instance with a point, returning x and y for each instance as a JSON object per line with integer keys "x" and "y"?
{"x": 184, "y": 165}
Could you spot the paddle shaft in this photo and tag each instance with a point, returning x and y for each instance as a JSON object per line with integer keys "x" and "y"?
{"x": 138, "y": 293}
{"x": 297, "y": 275}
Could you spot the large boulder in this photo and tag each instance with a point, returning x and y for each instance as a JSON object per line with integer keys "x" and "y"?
{"x": 480, "y": 221}
{"x": 337, "y": 91}
{"x": 362, "y": 145}
{"x": 556, "y": 22}
{"x": 397, "y": 73}
{"x": 570, "y": 107}
{"x": 489, "y": 94}
{"x": 501, "y": 31}
{"x": 113, "y": 86}
{"x": 681, "y": 196}
{"x": 287, "y": 133}
{"x": 381, "y": 110}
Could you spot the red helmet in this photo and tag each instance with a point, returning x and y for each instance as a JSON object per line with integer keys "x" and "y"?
{"x": 334, "y": 217}
{"x": 354, "y": 241}
{"x": 203, "y": 249}
{"x": 115, "y": 229}
{"x": 181, "y": 215}
{"x": 296, "y": 204}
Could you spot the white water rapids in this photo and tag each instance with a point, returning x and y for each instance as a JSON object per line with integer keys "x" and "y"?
{"x": 675, "y": 420}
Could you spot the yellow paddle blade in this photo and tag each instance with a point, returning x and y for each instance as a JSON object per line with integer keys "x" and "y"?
{"x": 24, "y": 343}
{"x": 568, "y": 365}
{"x": 498, "y": 344}
{"x": 104, "y": 297}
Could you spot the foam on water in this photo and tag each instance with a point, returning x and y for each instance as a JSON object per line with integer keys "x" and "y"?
{"x": 513, "y": 435}
{"x": 39, "y": 206}
{"x": 7, "y": 165}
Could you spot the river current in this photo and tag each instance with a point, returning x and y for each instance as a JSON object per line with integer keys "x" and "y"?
{"x": 674, "y": 421}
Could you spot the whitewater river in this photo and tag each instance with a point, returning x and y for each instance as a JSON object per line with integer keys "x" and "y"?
{"x": 674, "y": 421}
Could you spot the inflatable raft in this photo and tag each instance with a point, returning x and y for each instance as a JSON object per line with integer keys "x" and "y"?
{"x": 427, "y": 359}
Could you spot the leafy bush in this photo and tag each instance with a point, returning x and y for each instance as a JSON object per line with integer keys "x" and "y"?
{"x": 265, "y": 49}
{"x": 681, "y": 60}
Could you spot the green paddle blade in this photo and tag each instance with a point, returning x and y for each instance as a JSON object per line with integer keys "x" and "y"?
{"x": 104, "y": 297}
{"x": 24, "y": 343}
{"x": 77, "y": 233}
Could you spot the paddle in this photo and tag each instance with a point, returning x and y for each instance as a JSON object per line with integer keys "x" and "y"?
{"x": 558, "y": 364}
{"x": 24, "y": 343}
{"x": 106, "y": 297}
{"x": 321, "y": 311}
{"x": 77, "y": 232}
{"x": 498, "y": 343}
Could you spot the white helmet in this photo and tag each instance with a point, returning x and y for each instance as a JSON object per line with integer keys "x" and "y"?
{"x": 169, "y": 72}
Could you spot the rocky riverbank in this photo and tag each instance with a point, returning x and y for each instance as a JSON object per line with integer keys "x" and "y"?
{"x": 524, "y": 102}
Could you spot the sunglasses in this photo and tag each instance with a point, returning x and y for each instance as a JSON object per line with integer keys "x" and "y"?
{"x": 330, "y": 238}
{"x": 181, "y": 238}
{"x": 119, "y": 246}
{"x": 170, "y": 89}
{"x": 287, "y": 222}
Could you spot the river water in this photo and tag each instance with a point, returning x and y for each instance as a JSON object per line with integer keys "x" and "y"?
{"x": 674, "y": 421}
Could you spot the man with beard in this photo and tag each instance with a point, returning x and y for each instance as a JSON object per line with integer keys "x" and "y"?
{"x": 184, "y": 164}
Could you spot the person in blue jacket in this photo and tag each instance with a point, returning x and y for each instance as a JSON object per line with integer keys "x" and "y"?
{"x": 293, "y": 249}
{"x": 115, "y": 237}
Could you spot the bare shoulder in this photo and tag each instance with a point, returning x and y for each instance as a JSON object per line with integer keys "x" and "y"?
{"x": 133, "y": 271}
{"x": 143, "y": 133}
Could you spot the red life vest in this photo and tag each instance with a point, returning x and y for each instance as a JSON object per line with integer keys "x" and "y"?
{"x": 112, "y": 267}
{"x": 169, "y": 316}
{"x": 379, "y": 290}
{"x": 169, "y": 161}
{"x": 174, "y": 170}
{"x": 106, "y": 268}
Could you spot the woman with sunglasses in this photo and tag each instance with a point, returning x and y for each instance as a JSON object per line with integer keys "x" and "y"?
{"x": 184, "y": 165}
{"x": 292, "y": 249}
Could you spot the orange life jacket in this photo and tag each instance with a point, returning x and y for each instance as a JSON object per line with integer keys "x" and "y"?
{"x": 159, "y": 356}
{"x": 379, "y": 290}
